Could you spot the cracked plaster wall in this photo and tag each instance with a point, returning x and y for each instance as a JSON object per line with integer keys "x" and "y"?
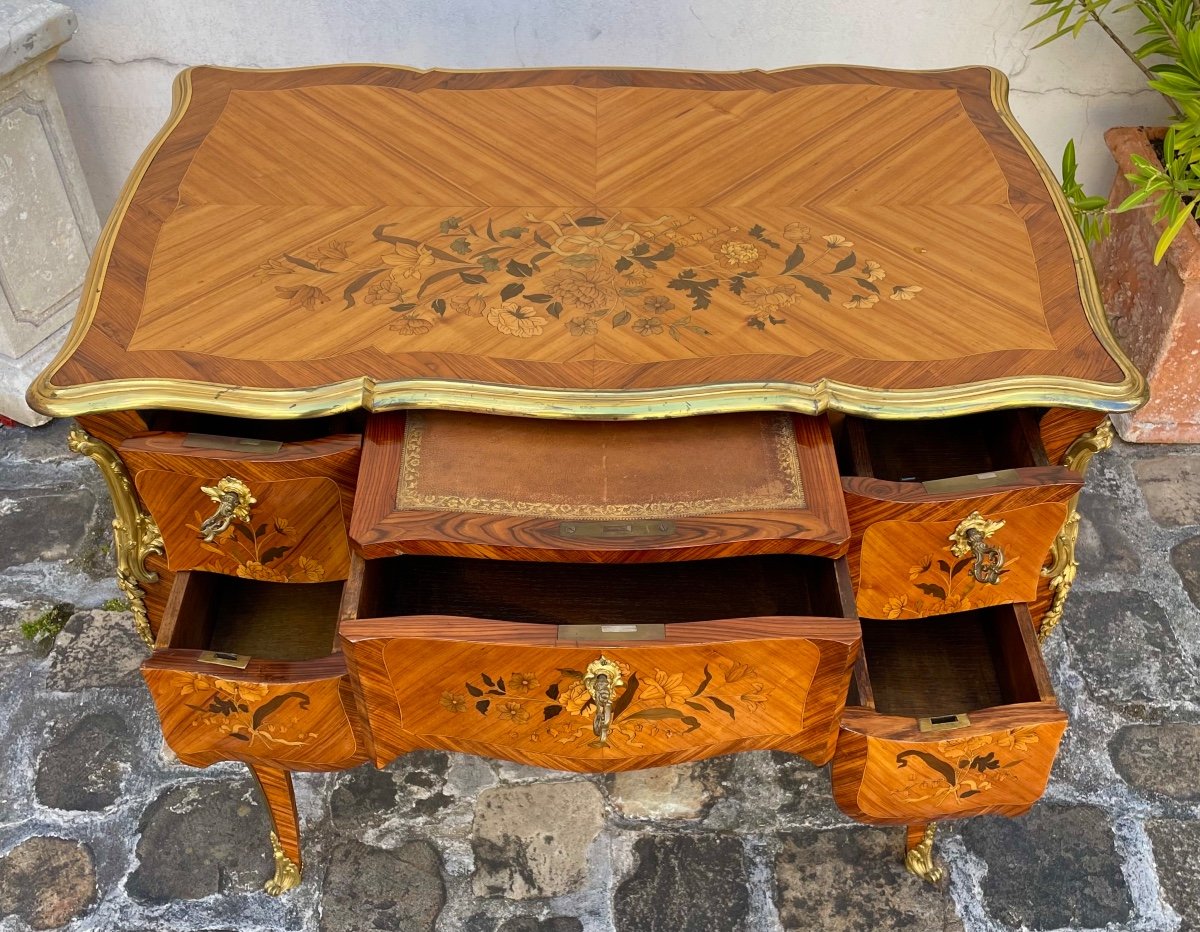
{"x": 114, "y": 76}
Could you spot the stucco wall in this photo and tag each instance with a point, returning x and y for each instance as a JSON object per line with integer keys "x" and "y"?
{"x": 115, "y": 75}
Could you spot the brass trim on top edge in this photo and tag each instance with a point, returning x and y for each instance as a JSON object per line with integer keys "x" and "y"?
{"x": 675, "y": 401}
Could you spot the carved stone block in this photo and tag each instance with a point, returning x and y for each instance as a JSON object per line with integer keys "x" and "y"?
{"x": 48, "y": 224}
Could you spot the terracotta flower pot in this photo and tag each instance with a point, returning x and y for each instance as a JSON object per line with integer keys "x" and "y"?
{"x": 1154, "y": 310}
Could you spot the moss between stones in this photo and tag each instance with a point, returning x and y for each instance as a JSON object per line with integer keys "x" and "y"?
{"x": 47, "y": 625}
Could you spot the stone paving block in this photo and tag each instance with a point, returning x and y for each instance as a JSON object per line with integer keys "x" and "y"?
{"x": 1159, "y": 759}
{"x": 47, "y": 881}
{"x": 1103, "y": 543}
{"x": 43, "y": 524}
{"x": 1185, "y": 557}
{"x": 532, "y": 840}
{"x": 1132, "y": 655}
{"x": 1055, "y": 868}
{"x": 96, "y": 648}
{"x": 84, "y": 765}
{"x": 554, "y": 924}
{"x": 14, "y": 645}
{"x": 685, "y": 883}
{"x": 202, "y": 838}
{"x": 807, "y": 791}
{"x": 852, "y": 879}
{"x": 1171, "y": 485}
{"x": 361, "y": 796}
{"x": 378, "y": 888}
{"x": 1175, "y": 845}
{"x": 677, "y": 792}
{"x": 47, "y": 444}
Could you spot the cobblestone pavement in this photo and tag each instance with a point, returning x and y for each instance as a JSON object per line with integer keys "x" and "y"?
{"x": 100, "y": 829}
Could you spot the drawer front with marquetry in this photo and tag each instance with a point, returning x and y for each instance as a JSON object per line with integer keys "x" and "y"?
{"x": 888, "y": 772}
{"x": 248, "y": 670}
{"x": 973, "y": 559}
{"x": 291, "y": 531}
{"x": 278, "y": 514}
{"x": 951, "y": 716}
{"x": 302, "y": 718}
{"x": 533, "y": 694}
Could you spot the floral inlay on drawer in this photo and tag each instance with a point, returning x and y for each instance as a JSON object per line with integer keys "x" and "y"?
{"x": 964, "y": 767}
{"x": 663, "y": 705}
{"x": 261, "y": 552}
{"x": 243, "y": 711}
{"x": 302, "y": 716}
{"x": 897, "y": 775}
{"x": 519, "y": 692}
{"x": 292, "y": 532}
{"x": 911, "y": 569}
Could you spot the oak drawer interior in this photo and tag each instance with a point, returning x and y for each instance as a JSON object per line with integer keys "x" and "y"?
{"x": 595, "y": 593}
{"x": 949, "y": 664}
{"x": 263, "y": 620}
{"x": 930, "y": 450}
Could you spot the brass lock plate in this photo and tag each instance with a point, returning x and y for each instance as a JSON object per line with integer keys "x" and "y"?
{"x": 615, "y": 530}
{"x": 225, "y": 659}
{"x": 234, "y": 444}
{"x": 612, "y": 632}
{"x": 944, "y": 722}
{"x": 982, "y": 480}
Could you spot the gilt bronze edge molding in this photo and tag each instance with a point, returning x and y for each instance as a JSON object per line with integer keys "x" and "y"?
{"x": 599, "y": 404}
{"x": 1063, "y": 566}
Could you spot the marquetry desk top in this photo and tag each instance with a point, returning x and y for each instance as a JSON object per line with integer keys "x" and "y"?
{"x": 604, "y": 243}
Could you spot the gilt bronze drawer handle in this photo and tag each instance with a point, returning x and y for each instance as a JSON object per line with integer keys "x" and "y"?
{"x": 233, "y": 500}
{"x": 970, "y": 537}
{"x": 602, "y": 680}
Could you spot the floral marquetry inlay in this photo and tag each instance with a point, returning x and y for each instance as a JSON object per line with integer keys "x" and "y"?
{"x": 579, "y": 270}
{"x": 909, "y": 569}
{"x": 260, "y": 550}
{"x": 962, "y": 769}
{"x": 555, "y": 708}
{"x": 254, "y": 714}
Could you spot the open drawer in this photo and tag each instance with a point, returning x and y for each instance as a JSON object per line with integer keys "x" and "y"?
{"x": 949, "y": 716}
{"x": 268, "y": 510}
{"x": 589, "y": 667}
{"x": 454, "y": 484}
{"x": 250, "y": 670}
{"x": 950, "y": 514}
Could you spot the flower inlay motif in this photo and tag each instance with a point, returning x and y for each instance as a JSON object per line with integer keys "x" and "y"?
{"x": 556, "y": 707}
{"x": 579, "y": 270}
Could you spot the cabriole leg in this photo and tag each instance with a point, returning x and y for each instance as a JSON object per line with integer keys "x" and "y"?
{"x": 276, "y": 786}
{"x": 918, "y": 858}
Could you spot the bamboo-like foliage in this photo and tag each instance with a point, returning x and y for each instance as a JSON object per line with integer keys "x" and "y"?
{"x": 1170, "y": 58}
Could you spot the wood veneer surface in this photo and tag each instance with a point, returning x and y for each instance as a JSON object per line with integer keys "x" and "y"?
{"x": 591, "y": 230}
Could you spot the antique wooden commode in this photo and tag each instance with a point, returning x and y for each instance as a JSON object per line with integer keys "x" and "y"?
{"x": 598, "y": 419}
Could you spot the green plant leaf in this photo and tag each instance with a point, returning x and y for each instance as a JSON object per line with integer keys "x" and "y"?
{"x": 1168, "y": 236}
